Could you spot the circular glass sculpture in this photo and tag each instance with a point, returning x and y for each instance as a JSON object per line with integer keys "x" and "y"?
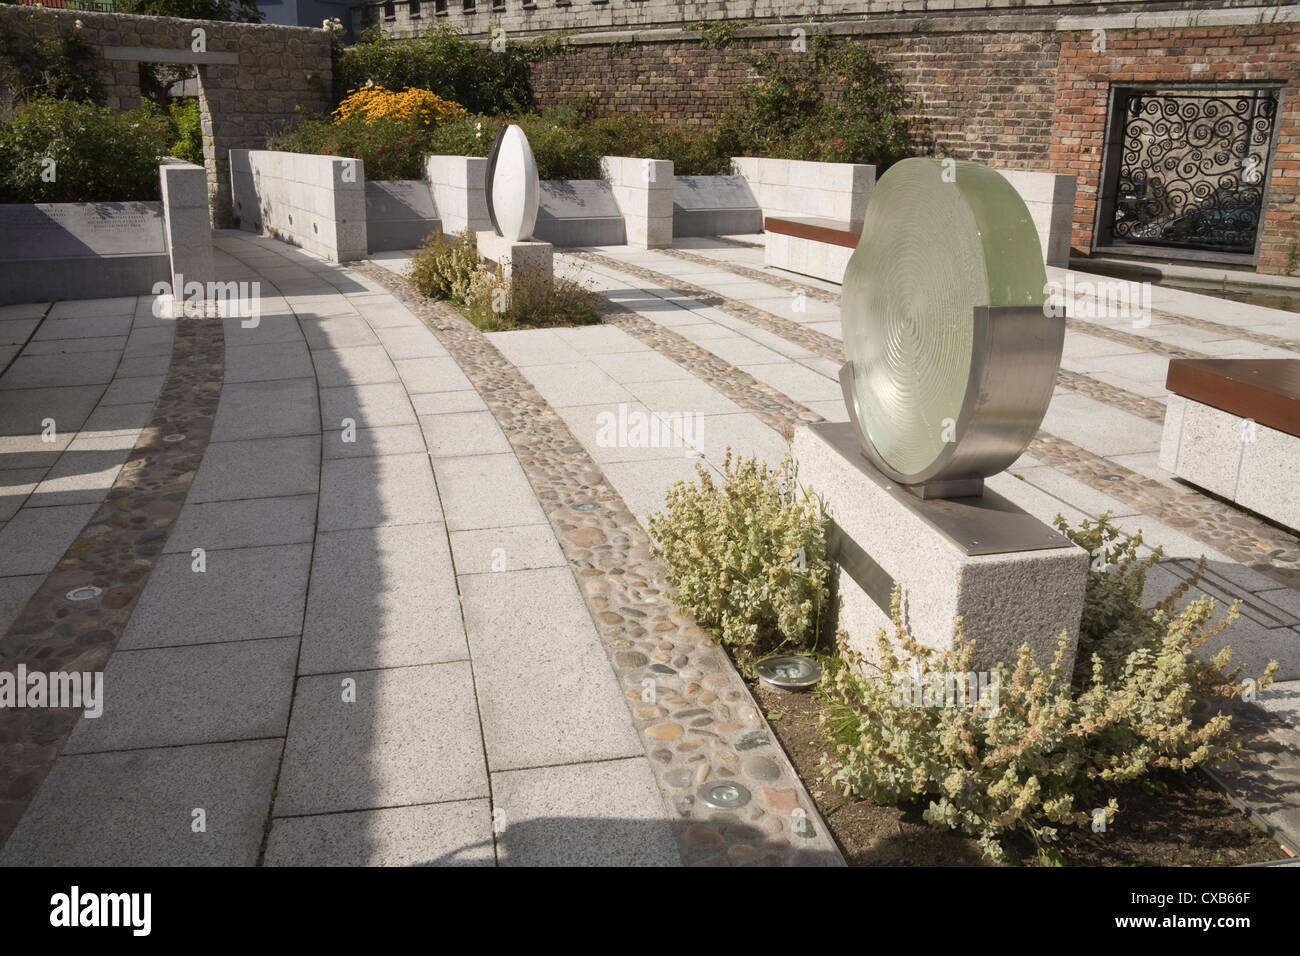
{"x": 952, "y": 357}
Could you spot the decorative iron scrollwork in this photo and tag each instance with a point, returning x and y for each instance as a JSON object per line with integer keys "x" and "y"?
{"x": 1193, "y": 168}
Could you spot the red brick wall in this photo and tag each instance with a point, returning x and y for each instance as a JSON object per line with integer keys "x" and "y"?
{"x": 1027, "y": 100}
{"x": 983, "y": 96}
{"x": 1219, "y": 54}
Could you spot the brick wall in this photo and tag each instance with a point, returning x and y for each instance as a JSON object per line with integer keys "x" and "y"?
{"x": 983, "y": 95}
{"x": 1218, "y": 54}
{"x": 1016, "y": 93}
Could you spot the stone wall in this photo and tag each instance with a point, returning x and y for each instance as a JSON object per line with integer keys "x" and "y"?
{"x": 255, "y": 80}
{"x": 522, "y": 17}
{"x": 316, "y": 202}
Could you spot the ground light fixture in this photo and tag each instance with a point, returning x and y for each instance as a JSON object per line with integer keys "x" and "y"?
{"x": 723, "y": 796}
{"x": 789, "y": 671}
{"x": 85, "y": 593}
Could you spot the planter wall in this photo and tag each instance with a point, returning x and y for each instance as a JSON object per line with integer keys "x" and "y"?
{"x": 796, "y": 189}
{"x": 316, "y": 202}
{"x": 107, "y": 249}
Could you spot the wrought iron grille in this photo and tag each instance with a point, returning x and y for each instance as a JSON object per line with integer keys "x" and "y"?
{"x": 1193, "y": 167}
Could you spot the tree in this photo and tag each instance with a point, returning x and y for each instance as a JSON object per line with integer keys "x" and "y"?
{"x": 235, "y": 11}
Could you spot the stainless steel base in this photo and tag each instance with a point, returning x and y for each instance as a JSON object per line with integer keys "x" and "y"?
{"x": 986, "y": 523}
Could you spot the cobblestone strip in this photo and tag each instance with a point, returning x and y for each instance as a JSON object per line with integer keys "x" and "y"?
{"x": 758, "y": 275}
{"x": 770, "y": 406}
{"x": 740, "y": 243}
{"x": 116, "y": 552}
{"x": 1142, "y": 342}
{"x": 1152, "y": 409}
{"x": 1229, "y": 331}
{"x": 822, "y": 295}
{"x": 832, "y": 348}
{"x": 696, "y": 718}
{"x": 1239, "y": 535}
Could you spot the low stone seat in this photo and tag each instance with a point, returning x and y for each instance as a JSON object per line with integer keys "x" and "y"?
{"x": 1232, "y": 427}
{"x": 810, "y": 246}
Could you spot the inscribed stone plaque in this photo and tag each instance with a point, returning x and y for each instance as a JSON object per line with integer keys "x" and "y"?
{"x": 399, "y": 199}
{"x": 712, "y": 192}
{"x": 75, "y": 230}
{"x": 578, "y": 212}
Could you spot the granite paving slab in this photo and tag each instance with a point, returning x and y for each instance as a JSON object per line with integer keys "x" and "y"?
{"x": 136, "y": 808}
{"x": 382, "y": 597}
{"x": 410, "y": 737}
{"x": 433, "y": 834}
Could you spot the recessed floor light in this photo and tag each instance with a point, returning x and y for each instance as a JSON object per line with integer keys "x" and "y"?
{"x": 723, "y": 796}
{"x": 85, "y": 593}
{"x": 789, "y": 671}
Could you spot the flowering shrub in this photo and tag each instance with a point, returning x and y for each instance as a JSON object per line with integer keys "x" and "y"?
{"x": 416, "y": 107}
{"x": 747, "y": 556}
{"x": 455, "y": 67}
{"x": 390, "y": 148}
{"x": 1044, "y": 757}
{"x": 445, "y": 265}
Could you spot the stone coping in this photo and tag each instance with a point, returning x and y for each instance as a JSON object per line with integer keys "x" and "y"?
{"x": 955, "y": 21}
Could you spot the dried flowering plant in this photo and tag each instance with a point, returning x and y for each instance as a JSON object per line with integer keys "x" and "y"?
{"x": 747, "y": 554}
{"x": 1042, "y": 758}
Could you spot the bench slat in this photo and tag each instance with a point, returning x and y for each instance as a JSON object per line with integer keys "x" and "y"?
{"x": 830, "y": 231}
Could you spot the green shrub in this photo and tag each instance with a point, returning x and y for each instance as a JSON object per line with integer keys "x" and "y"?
{"x": 100, "y": 155}
{"x": 449, "y": 268}
{"x": 561, "y": 152}
{"x": 187, "y": 127}
{"x": 747, "y": 555}
{"x": 390, "y": 148}
{"x": 843, "y": 106}
{"x": 532, "y": 303}
{"x": 1045, "y": 756}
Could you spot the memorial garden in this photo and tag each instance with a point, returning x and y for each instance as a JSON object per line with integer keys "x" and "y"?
{"x": 430, "y": 463}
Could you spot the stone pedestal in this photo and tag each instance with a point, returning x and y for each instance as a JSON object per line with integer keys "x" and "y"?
{"x": 517, "y": 259}
{"x": 1011, "y": 578}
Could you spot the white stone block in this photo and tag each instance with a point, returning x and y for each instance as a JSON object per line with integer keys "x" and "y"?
{"x": 659, "y": 232}
{"x": 1267, "y": 480}
{"x": 1173, "y": 429}
{"x": 517, "y": 258}
{"x": 1006, "y": 600}
{"x": 1209, "y": 449}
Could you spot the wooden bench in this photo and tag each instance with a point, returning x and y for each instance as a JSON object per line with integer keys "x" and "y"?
{"x": 810, "y": 246}
{"x": 1232, "y": 427}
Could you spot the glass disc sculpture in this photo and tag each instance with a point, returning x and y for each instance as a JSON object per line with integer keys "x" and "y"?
{"x": 952, "y": 357}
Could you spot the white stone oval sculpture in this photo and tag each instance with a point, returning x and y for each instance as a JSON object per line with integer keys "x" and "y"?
{"x": 513, "y": 190}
